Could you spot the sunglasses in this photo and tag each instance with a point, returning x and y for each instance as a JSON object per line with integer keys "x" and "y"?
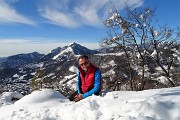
{"x": 85, "y": 63}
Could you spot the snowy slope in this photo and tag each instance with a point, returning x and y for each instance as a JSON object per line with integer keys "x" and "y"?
{"x": 74, "y": 49}
{"x": 157, "y": 104}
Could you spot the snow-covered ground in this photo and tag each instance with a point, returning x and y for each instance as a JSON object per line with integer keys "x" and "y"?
{"x": 47, "y": 104}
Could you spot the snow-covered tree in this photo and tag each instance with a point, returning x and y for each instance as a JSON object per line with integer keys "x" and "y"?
{"x": 137, "y": 33}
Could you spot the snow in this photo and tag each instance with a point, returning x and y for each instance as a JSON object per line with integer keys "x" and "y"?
{"x": 69, "y": 49}
{"x": 144, "y": 24}
{"x": 39, "y": 65}
{"x": 70, "y": 81}
{"x": 111, "y": 63}
{"x": 40, "y": 97}
{"x": 162, "y": 79}
{"x": 115, "y": 38}
{"x": 114, "y": 17}
{"x": 33, "y": 73}
{"x": 70, "y": 76}
{"x": 108, "y": 73}
{"x": 154, "y": 53}
{"x": 48, "y": 104}
{"x": 73, "y": 69}
{"x": 6, "y": 98}
{"x": 22, "y": 77}
{"x": 136, "y": 25}
{"x": 156, "y": 33}
{"x": 15, "y": 75}
{"x": 116, "y": 54}
{"x": 50, "y": 74}
{"x": 72, "y": 43}
{"x": 142, "y": 16}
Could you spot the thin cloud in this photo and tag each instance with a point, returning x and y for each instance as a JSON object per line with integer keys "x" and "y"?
{"x": 10, "y": 15}
{"x": 16, "y": 46}
{"x": 26, "y": 41}
{"x": 81, "y": 12}
{"x": 59, "y": 18}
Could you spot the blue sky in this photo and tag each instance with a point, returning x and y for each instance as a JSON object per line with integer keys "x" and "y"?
{"x": 42, "y": 25}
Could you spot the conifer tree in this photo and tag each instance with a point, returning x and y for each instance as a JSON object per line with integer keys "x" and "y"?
{"x": 37, "y": 80}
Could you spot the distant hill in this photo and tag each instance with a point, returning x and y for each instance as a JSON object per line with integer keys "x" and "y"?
{"x": 21, "y": 60}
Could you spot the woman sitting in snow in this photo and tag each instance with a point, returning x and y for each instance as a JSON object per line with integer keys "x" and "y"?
{"x": 89, "y": 80}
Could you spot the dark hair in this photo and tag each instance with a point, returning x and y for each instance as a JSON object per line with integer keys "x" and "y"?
{"x": 82, "y": 56}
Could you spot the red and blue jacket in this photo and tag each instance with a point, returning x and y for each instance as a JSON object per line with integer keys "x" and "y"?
{"x": 89, "y": 83}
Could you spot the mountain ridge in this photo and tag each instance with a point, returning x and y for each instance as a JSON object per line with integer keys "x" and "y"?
{"x": 58, "y": 72}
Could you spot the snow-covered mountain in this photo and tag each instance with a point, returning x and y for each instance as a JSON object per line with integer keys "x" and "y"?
{"x": 72, "y": 50}
{"x": 60, "y": 69}
{"x": 21, "y": 59}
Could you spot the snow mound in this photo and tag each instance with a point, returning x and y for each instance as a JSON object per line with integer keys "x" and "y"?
{"x": 41, "y": 96}
{"x": 157, "y": 104}
{"x": 8, "y": 98}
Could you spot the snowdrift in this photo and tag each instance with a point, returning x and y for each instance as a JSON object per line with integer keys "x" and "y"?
{"x": 8, "y": 98}
{"x": 157, "y": 104}
{"x": 42, "y": 96}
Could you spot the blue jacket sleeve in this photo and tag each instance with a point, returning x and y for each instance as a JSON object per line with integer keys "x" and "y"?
{"x": 79, "y": 84}
{"x": 97, "y": 84}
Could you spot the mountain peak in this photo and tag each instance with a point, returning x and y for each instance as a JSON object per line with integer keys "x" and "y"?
{"x": 73, "y": 44}
{"x": 74, "y": 49}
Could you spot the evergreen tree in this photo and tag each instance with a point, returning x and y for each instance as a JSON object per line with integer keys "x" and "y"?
{"x": 37, "y": 80}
